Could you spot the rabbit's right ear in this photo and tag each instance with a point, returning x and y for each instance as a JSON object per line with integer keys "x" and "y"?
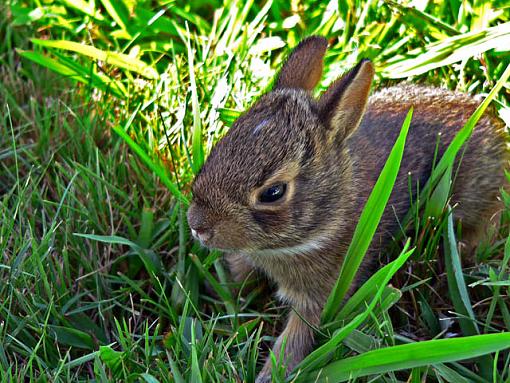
{"x": 303, "y": 68}
{"x": 342, "y": 106}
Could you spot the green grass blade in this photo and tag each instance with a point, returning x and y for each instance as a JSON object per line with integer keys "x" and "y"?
{"x": 112, "y": 239}
{"x": 456, "y": 283}
{"x": 448, "y": 158}
{"x": 450, "y": 375}
{"x": 463, "y": 135}
{"x": 176, "y": 373}
{"x": 459, "y": 293}
{"x": 52, "y": 64}
{"x": 81, "y": 360}
{"x": 86, "y": 7}
{"x": 367, "y": 290}
{"x": 447, "y": 51}
{"x": 150, "y": 260}
{"x": 197, "y": 149}
{"x": 196, "y": 375}
{"x": 119, "y": 12}
{"x": 367, "y": 224}
{"x": 375, "y": 285}
{"x": 439, "y": 196}
{"x": 76, "y": 72}
{"x": 223, "y": 292}
{"x": 71, "y": 337}
{"x": 159, "y": 170}
{"x": 421, "y": 18}
{"x": 410, "y": 356}
{"x": 117, "y": 59}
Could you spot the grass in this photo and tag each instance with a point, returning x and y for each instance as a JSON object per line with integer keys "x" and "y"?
{"x": 99, "y": 278}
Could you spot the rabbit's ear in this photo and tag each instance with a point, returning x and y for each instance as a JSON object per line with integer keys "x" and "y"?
{"x": 303, "y": 68}
{"x": 343, "y": 104}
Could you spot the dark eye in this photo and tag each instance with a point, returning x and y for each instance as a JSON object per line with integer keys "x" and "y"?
{"x": 273, "y": 193}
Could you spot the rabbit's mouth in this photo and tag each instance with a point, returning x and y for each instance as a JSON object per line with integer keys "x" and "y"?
{"x": 211, "y": 241}
{"x": 204, "y": 237}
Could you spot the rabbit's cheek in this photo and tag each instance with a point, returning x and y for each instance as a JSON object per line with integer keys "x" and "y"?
{"x": 228, "y": 235}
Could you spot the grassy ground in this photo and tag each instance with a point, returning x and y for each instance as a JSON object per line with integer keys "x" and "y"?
{"x": 98, "y": 276}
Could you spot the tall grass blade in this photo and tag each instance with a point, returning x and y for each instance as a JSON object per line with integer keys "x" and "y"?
{"x": 360, "y": 298}
{"x": 86, "y": 7}
{"x": 456, "y": 283}
{"x": 410, "y": 356}
{"x": 448, "y": 158}
{"x": 117, "y": 59}
{"x": 197, "y": 148}
{"x": 76, "y": 72}
{"x": 447, "y": 51}
{"x": 196, "y": 374}
{"x": 376, "y": 285}
{"x": 119, "y": 12}
{"x": 367, "y": 225}
{"x": 459, "y": 293}
{"x": 159, "y": 170}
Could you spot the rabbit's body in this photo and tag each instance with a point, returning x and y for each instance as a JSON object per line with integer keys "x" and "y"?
{"x": 438, "y": 115}
{"x": 284, "y": 189}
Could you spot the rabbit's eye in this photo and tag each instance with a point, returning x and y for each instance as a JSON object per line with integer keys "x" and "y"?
{"x": 273, "y": 193}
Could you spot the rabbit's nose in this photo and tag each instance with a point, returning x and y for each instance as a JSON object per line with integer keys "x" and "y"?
{"x": 198, "y": 224}
{"x": 201, "y": 234}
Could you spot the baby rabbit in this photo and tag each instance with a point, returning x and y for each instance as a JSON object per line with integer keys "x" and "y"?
{"x": 283, "y": 190}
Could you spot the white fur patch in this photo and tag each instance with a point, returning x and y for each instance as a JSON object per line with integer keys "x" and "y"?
{"x": 260, "y": 126}
{"x": 313, "y": 244}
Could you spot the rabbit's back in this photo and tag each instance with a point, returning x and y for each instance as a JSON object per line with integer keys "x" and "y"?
{"x": 438, "y": 115}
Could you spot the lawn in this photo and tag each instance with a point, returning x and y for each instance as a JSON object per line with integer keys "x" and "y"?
{"x": 108, "y": 110}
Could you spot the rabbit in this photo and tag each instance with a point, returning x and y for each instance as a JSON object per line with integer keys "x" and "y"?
{"x": 283, "y": 190}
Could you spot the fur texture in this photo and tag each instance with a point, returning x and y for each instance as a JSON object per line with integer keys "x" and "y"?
{"x": 329, "y": 153}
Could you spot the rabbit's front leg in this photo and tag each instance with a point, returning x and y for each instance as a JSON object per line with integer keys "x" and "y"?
{"x": 299, "y": 340}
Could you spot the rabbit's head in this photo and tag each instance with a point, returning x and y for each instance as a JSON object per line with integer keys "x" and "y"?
{"x": 280, "y": 180}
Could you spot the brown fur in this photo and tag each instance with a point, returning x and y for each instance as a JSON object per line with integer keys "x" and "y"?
{"x": 330, "y": 162}
{"x": 303, "y": 71}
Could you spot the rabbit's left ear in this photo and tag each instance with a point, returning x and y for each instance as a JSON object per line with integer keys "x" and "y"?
{"x": 342, "y": 106}
{"x": 303, "y": 68}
